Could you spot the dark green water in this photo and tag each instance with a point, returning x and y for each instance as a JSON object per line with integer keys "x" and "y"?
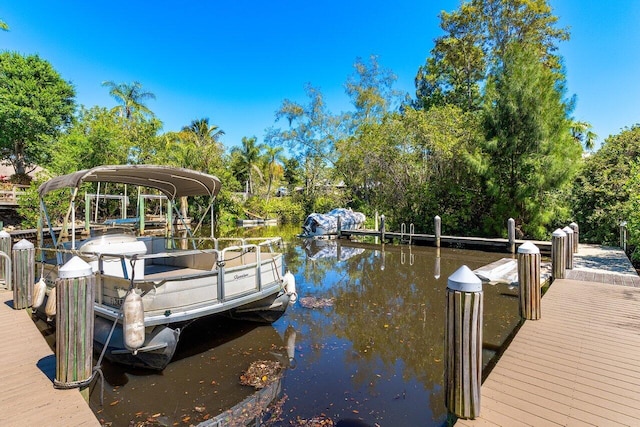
{"x": 375, "y": 354}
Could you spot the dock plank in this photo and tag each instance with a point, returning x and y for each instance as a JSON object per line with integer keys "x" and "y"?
{"x": 26, "y": 372}
{"x": 577, "y": 365}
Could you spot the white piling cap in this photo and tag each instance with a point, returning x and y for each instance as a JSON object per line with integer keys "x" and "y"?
{"x": 528, "y": 248}
{"x": 573, "y": 225}
{"x": 23, "y": 244}
{"x": 559, "y": 233}
{"x": 75, "y": 267}
{"x": 464, "y": 280}
{"x": 4, "y": 234}
{"x": 568, "y": 230}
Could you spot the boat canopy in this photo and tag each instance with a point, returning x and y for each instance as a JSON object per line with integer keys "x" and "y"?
{"x": 171, "y": 181}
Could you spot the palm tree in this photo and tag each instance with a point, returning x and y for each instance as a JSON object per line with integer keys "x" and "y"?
{"x": 131, "y": 97}
{"x": 249, "y": 157}
{"x": 205, "y": 134}
{"x": 3, "y": 25}
{"x": 203, "y": 139}
{"x": 273, "y": 157}
{"x": 581, "y": 132}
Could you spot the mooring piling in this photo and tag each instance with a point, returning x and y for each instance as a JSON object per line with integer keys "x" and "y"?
{"x": 463, "y": 342}
{"x": 511, "y": 232}
{"x": 5, "y": 264}
{"x": 558, "y": 256}
{"x": 623, "y": 235}
{"x": 529, "y": 281}
{"x": 437, "y": 226}
{"x": 576, "y": 236}
{"x": 569, "y": 247}
{"x": 75, "y": 292}
{"x": 23, "y": 266}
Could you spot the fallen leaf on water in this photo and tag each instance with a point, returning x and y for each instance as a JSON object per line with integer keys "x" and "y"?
{"x": 156, "y": 415}
{"x": 200, "y": 409}
{"x": 186, "y": 419}
{"x": 114, "y": 403}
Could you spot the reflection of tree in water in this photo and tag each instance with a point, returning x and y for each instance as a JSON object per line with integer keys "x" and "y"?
{"x": 395, "y": 313}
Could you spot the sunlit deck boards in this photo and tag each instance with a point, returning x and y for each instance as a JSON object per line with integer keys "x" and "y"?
{"x": 27, "y": 368}
{"x": 577, "y": 365}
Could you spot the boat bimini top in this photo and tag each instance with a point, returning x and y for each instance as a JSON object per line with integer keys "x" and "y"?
{"x": 172, "y": 182}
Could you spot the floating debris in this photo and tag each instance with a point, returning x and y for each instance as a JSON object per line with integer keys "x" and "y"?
{"x": 261, "y": 373}
{"x": 319, "y": 421}
{"x": 314, "y": 302}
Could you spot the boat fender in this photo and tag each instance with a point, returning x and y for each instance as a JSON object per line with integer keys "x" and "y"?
{"x": 39, "y": 291}
{"x": 133, "y": 322}
{"x": 50, "y": 308}
{"x": 289, "y": 283}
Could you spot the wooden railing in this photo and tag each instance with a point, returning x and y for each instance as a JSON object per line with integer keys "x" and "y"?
{"x": 9, "y": 197}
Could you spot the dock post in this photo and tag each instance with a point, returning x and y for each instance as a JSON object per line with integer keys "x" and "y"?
{"x": 569, "y": 247}
{"x": 382, "y": 229}
{"x": 623, "y": 235}
{"x": 437, "y": 225}
{"x": 558, "y": 257}
{"x": 529, "y": 281}
{"x": 23, "y": 266}
{"x": 339, "y": 226}
{"x": 5, "y": 269}
{"x": 511, "y": 232}
{"x": 75, "y": 292}
{"x": 463, "y": 343}
{"x": 576, "y": 236}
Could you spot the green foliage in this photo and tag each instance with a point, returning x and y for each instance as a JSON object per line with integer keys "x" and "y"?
{"x": 56, "y": 203}
{"x": 606, "y": 191}
{"x": 529, "y": 150}
{"x": 36, "y": 104}
{"x": 287, "y": 209}
{"x": 416, "y": 165}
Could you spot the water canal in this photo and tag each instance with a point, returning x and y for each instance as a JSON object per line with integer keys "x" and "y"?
{"x": 365, "y": 341}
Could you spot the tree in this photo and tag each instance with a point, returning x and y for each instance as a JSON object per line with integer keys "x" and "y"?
{"x": 273, "y": 156}
{"x": 95, "y": 138}
{"x": 530, "y": 153}
{"x": 458, "y": 63}
{"x": 582, "y": 133}
{"x": 475, "y": 44}
{"x": 36, "y": 104}
{"x": 248, "y": 158}
{"x": 605, "y": 191}
{"x": 3, "y": 26}
{"x": 131, "y": 98}
{"x": 203, "y": 141}
{"x": 371, "y": 90}
{"x": 311, "y": 136}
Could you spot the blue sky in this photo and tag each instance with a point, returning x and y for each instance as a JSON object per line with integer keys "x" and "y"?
{"x": 236, "y": 61}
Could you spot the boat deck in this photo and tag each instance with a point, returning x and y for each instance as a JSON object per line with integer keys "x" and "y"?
{"x": 578, "y": 364}
{"x": 26, "y": 374}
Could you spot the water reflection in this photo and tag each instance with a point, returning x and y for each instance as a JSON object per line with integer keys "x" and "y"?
{"x": 378, "y": 351}
{"x": 375, "y": 354}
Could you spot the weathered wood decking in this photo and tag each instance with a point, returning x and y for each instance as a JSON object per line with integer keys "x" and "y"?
{"x": 27, "y": 368}
{"x": 577, "y": 365}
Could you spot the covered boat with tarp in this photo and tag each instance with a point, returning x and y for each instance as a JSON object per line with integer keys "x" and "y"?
{"x": 324, "y": 224}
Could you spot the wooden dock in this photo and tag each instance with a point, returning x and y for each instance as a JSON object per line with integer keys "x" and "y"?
{"x": 26, "y": 375}
{"x": 499, "y": 244}
{"x": 577, "y": 365}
